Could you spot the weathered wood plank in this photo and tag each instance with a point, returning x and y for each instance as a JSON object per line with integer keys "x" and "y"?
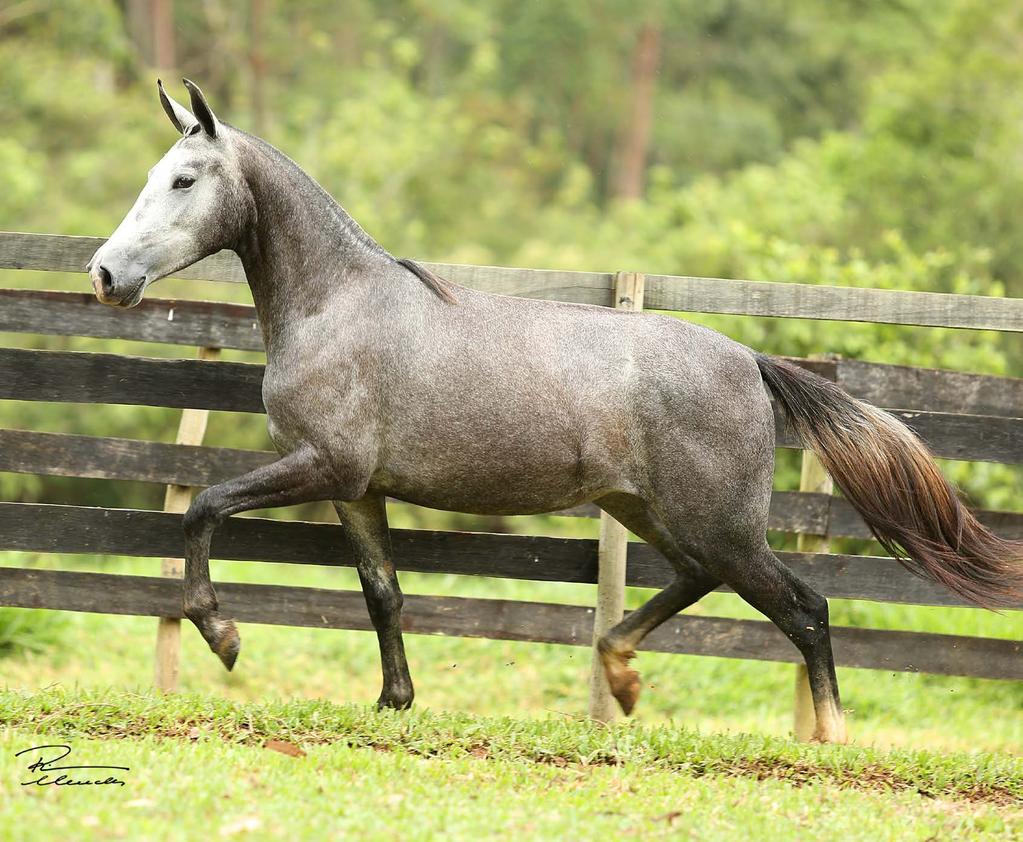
{"x": 507, "y": 620}
{"x": 93, "y": 457}
{"x": 791, "y": 511}
{"x": 981, "y": 438}
{"x": 58, "y": 253}
{"x": 794, "y": 511}
{"x": 61, "y": 253}
{"x": 112, "y": 378}
{"x": 178, "y": 498}
{"x": 845, "y": 522}
{"x": 60, "y": 454}
{"x": 976, "y": 438}
{"x": 664, "y": 292}
{"x": 222, "y": 325}
{"x": 847, "y": 304}
{"x": 210, "y": 324}
{"x": 933, "y": 390}
{"x": 921, "y": 389}
{"x": 34, "y": 527}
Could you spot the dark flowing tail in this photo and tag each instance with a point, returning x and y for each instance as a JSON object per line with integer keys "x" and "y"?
{"x": 891, "y": 479}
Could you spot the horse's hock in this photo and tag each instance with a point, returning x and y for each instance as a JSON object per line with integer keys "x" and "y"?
{"x": 960, "y": 416}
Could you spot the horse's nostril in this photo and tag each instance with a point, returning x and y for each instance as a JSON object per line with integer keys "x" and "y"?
{"x": 105, "y": 280}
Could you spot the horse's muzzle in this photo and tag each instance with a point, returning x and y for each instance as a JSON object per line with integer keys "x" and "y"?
{"x": 109, "y": 291}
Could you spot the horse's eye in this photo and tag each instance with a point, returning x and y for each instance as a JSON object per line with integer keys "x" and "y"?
{"x": 183, "y": 182}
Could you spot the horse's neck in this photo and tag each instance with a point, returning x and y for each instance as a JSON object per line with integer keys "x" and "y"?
{"x": 301, "y": 249}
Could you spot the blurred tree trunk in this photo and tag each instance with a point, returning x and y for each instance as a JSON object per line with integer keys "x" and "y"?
{"x": 257, "y": 64}
{"x": 635, "y": 139}
{"x": 140, "y": 28}
{"x": 151, "y": 29}
{"x": 163, "y": 34}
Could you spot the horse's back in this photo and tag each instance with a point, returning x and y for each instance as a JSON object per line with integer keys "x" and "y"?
{"x": 501, "y": 404}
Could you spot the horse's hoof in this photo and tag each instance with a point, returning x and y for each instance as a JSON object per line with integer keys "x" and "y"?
{"x": 625, "y": 686}
{"x": 833, "y": 732}
{"x": 831, "y": 729}
{"x": 621, "y": 679}
{"x": 838, "y": 738}
{"x": 395, "y": 701}
{"x": 228, "y": 643}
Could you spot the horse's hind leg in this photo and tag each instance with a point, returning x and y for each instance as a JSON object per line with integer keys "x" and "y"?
{"x": 755, "y": 573}
{"x": 618, "y": 646}
{"x": 365, "y": 524}
{"x": 712, "y": 492}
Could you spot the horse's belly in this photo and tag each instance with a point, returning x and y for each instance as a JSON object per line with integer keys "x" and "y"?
{"x": 499, "y": 479}
{"x": 482, "y": 499}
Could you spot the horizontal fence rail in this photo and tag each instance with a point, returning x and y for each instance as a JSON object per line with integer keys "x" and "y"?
{"x": 47, "y": 528}
{"x": 207, "y": 324}
{"x": 94, "y": 457}
{"x": 72, "y": 377}
{"x": 221, "y": 325}
{"x": 663, "y": 292}
{"x": 510, "y": 620}
{"x": 78, "y": 377}
{"x": 959, "y": 415}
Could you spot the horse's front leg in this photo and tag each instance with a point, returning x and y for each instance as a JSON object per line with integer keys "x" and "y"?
{"x": 365, "y": 524}
{"x": 298, "y": 477}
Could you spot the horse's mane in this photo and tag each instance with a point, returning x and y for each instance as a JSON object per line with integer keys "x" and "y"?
{"x": 440, "y": 287}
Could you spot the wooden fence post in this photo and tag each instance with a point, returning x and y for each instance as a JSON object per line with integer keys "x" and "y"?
{"x": 812, "y": 477}
{"x": 191, "y": 430}
{"x": 612, "y": 547}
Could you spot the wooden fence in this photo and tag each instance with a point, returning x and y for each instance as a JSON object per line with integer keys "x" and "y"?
{"x": 961, "y": 416}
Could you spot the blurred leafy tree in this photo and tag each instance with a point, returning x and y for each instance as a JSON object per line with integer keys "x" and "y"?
{"x": 844, "y": 142}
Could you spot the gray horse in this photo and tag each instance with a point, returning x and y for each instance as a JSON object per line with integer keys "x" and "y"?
{"x": 383, "y": 379}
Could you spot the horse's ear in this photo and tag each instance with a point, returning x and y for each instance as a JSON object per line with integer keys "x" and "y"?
{"x": 180, "y": 116}
{"x": 203, "y": 113}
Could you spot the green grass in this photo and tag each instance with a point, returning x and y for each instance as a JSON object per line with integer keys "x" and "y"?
{"x": 30, "y": 631}
{"x": 496, "y": 745}
{"x": 505, "y": 678}
{"x": 198, "y": 767}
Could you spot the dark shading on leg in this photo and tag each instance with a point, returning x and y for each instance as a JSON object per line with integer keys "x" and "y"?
{"x": 799, "y": 611}
{"x": 618, "y": 646}
{"x": 365, "y": 524}
{"x": 293, "y": 479}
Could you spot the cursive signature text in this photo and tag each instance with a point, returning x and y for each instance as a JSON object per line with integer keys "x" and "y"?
{"x": 51, "y": 775}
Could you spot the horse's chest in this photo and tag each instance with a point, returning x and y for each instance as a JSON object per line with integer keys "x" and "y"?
{"x": 314, "y": 406}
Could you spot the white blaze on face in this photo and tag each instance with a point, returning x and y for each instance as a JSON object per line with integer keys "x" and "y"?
{"x": 167, "y": 227}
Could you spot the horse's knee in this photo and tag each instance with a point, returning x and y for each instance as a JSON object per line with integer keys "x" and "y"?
{"x": 201, "y": 515}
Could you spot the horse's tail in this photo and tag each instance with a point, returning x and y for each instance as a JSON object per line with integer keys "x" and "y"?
{"x": 891, "y": 479}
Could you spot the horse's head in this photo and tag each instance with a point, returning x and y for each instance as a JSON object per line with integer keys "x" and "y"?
{"x": 194, "y": 204}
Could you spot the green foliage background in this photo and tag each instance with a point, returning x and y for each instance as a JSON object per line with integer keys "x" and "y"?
{"x": 842, "y": 142}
